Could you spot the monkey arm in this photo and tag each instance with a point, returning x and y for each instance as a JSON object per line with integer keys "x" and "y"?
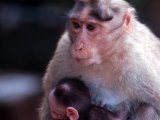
{"x": 57, "y": 68}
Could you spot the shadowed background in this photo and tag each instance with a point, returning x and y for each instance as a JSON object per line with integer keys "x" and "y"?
{"x": 29, "y": 30}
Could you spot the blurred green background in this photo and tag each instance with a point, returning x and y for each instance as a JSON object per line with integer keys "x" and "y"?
{"x": 29, "y": 30}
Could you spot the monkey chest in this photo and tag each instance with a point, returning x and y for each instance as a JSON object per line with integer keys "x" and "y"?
{"x": 104, "y": 93}
{"x": 103, "y": 86}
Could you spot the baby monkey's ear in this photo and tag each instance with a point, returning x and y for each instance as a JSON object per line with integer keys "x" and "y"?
{"x": 72, "y": 113}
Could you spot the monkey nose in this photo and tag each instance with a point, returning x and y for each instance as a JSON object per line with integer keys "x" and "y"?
{"x": 79, "y": 46}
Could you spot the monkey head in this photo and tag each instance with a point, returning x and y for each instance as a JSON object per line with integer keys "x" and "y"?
{"x": 93, "y": 38}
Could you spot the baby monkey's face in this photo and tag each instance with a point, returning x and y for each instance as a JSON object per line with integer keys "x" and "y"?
{"x": 58, "y": 111}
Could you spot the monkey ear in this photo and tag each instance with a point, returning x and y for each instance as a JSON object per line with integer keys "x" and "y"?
{"x": 128, "y": 19}
{"x": 72, "y": 113}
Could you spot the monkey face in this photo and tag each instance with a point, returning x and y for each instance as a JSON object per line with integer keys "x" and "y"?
{"x": 92, "y": 38}
{"x": 83, "y": 38}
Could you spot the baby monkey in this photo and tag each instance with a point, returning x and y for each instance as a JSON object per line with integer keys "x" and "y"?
{"x": 71, "y": 100}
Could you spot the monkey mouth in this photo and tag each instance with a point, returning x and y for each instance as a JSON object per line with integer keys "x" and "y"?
{"x": 84, "y": 61}
{"x": 81, "y": 59}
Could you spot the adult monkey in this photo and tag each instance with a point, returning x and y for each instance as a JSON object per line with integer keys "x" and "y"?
{"x": 116, "y": 55}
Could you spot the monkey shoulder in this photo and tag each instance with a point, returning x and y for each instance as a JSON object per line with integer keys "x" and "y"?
{"x": 61, "y": 62}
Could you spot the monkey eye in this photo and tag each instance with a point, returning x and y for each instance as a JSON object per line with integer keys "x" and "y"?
{"x": 76, "y": 25}
{"x": 91, "y": 27}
